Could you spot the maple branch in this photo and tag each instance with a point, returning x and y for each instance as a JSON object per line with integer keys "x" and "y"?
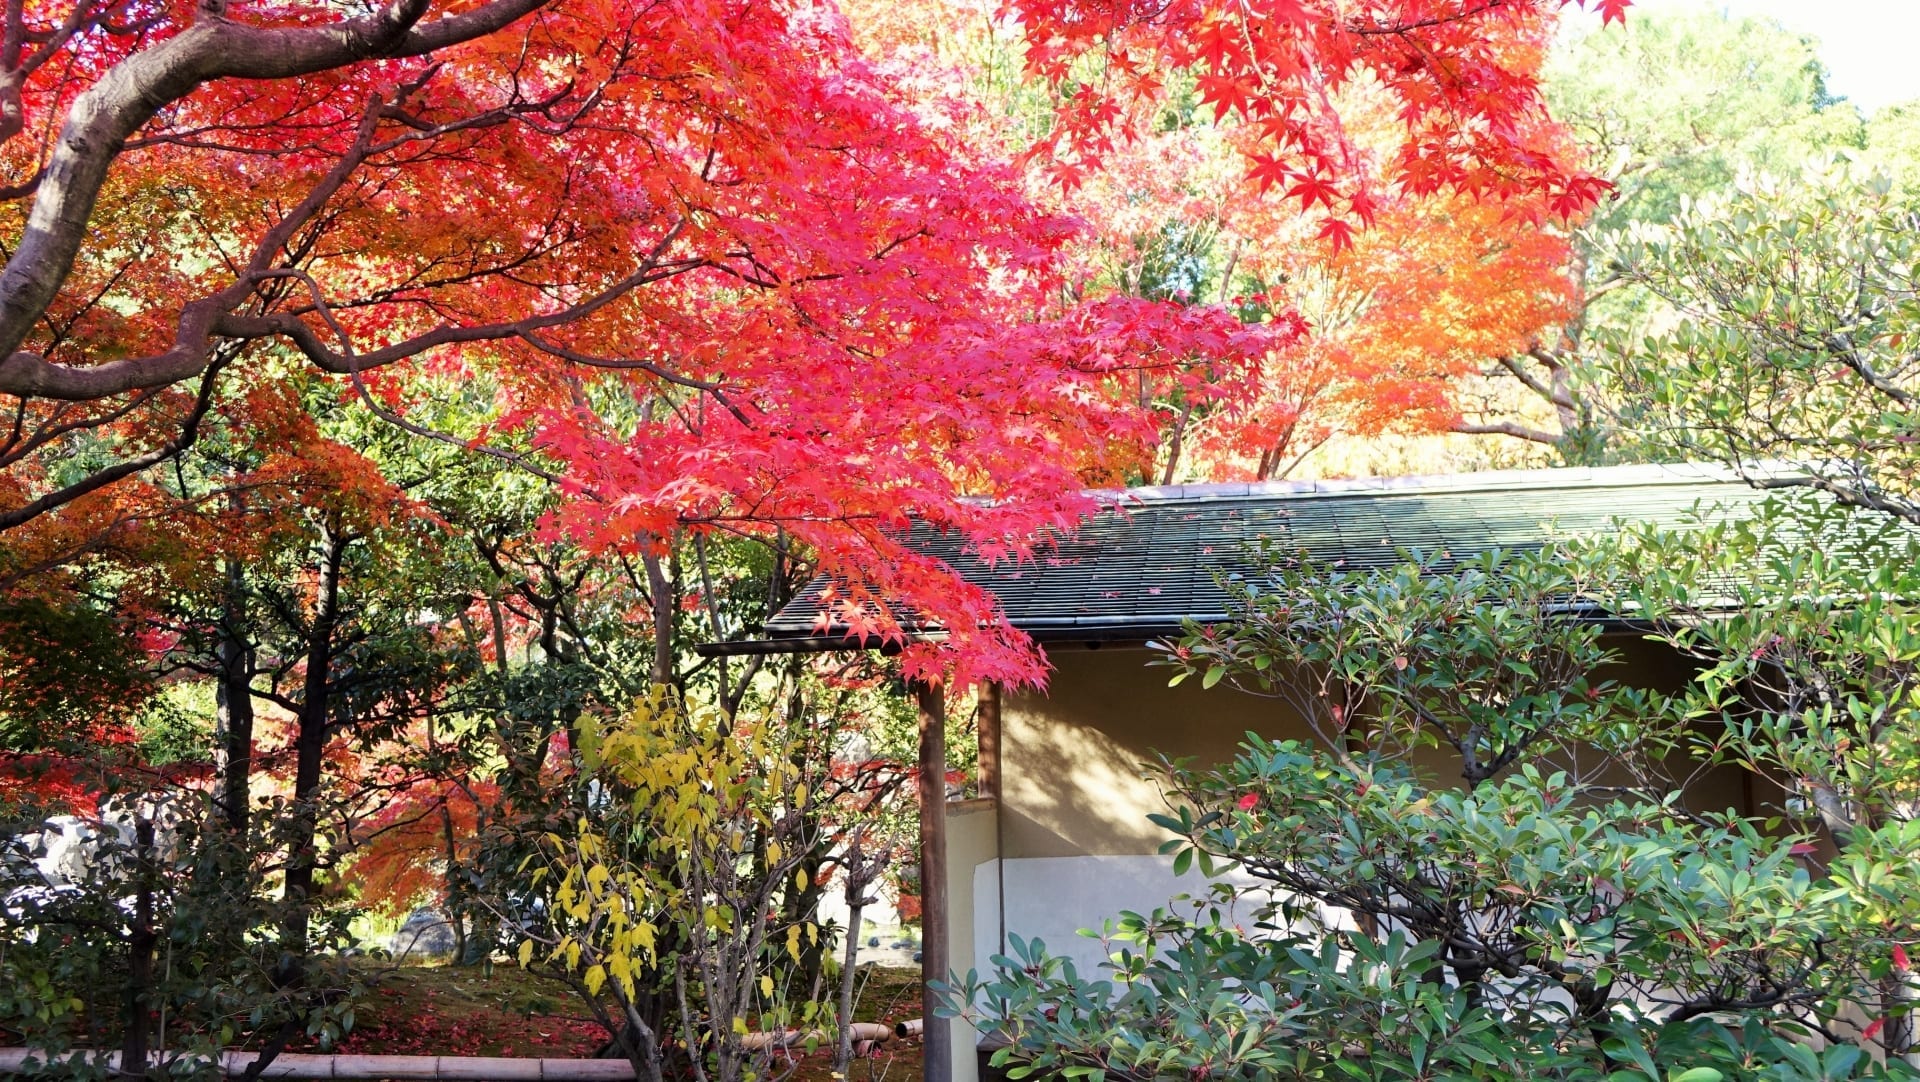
{"x": 653, "y": 268}
{"x": 717, "y": 390}
{"x": 1505, "y": 428}
{"x": 11, "y": 192}
{"x": 97, "y": 540}
{"x": 1360, "y": 29}
{"x": 107, "y": 114}
{"x": 352, "y": 364}
{"x": 14, "y": 68}
{"x": 1286, "y": 471}
{"x": 1534, "y": 383}
{"x": 1610, "y": 285}
{"x": 1552, "y": 360}
{"x": 12, "y": 112}
{"x": 19, "y": 443}
{"x": 99, "y": 479}
{"x": 31, "y": 375}
{"x": 420, "y": 130}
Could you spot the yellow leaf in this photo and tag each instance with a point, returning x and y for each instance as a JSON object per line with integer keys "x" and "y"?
{"x": 766, "y": 986}
{"x": 526, "y": 953}
{"x": 595, "y": 977}
{"x": 800, "y": 879}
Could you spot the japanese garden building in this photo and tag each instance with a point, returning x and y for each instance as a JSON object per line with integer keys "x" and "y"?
{"x": 1059, "y": 839}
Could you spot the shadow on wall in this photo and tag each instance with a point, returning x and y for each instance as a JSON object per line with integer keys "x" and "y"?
{"x": 1076, "y": 756}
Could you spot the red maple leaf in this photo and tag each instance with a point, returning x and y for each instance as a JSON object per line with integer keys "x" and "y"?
{"x": 1337, "y": 232}
{"x": 1613, "y": 10}
{"x": 1227, "y": 94}
{"x": 1268, "y": 170}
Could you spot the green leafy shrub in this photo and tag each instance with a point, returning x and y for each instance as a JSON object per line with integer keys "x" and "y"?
{"x": 1571, "y": 908}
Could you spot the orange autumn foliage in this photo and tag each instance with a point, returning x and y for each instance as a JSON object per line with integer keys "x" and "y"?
{"x": 1438, "y": 288}
{"x": 1437, "y": 283}
{"x": 410, "y": 839}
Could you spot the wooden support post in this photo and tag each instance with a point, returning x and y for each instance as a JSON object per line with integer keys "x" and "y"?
{"x": 988, "y": 720}
{"x": 934, "y": 963}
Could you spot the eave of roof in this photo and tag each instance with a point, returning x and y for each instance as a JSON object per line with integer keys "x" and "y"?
{"x": 1140, "y": 568}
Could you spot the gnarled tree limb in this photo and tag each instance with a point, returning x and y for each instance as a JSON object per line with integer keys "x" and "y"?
{"x": 102, "y": 119}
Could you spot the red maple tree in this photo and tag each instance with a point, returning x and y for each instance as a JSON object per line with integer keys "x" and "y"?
{"x": 711, "y": 267}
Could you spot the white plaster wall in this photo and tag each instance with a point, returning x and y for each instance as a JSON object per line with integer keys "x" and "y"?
{"x": 972, "y": 842}
{"x": 1052, "y": 898}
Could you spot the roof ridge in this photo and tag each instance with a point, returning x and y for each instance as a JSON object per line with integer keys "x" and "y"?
{"x": 1140, "y": 574}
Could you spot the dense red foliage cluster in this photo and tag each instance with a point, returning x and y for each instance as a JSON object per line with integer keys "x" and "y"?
{"x": 703, "y": 262}
{"x": 1456, "y": 70}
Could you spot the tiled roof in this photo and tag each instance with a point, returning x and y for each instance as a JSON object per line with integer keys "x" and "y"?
{"x": 1150, "y": 561}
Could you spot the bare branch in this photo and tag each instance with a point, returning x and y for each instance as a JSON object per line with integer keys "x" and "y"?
{"x": 1505, "y": 428}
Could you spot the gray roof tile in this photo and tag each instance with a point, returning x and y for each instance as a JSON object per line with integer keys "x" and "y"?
{"x": 1151, "y": 561}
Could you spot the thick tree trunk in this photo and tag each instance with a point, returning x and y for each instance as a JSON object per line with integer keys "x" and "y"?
{"x": 660, "y": 587}
{"x": 938, "y": 1048}
{"x": 141, "y": 939}
{"x": 233, "y": 717}
{"x": 310, "y": 741}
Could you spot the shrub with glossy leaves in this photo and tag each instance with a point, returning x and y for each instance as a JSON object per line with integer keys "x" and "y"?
{"x": 1570, "y": 908}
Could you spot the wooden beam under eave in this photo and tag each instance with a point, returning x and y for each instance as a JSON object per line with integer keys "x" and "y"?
{"x": 937, "y": 1032}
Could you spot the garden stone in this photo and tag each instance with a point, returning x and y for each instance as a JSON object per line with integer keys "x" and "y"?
{"x": 426, "y": 935}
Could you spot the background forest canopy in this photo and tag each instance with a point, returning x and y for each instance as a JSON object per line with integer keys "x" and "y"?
{"x": 387, "y": 412}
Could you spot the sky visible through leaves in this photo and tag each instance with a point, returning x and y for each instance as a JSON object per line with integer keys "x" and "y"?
{"x": 1866, "y": 44}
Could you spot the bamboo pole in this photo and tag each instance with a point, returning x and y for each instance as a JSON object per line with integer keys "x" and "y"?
{"x": 937, "y": 1051}
{"x": 872, "y": 1032}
